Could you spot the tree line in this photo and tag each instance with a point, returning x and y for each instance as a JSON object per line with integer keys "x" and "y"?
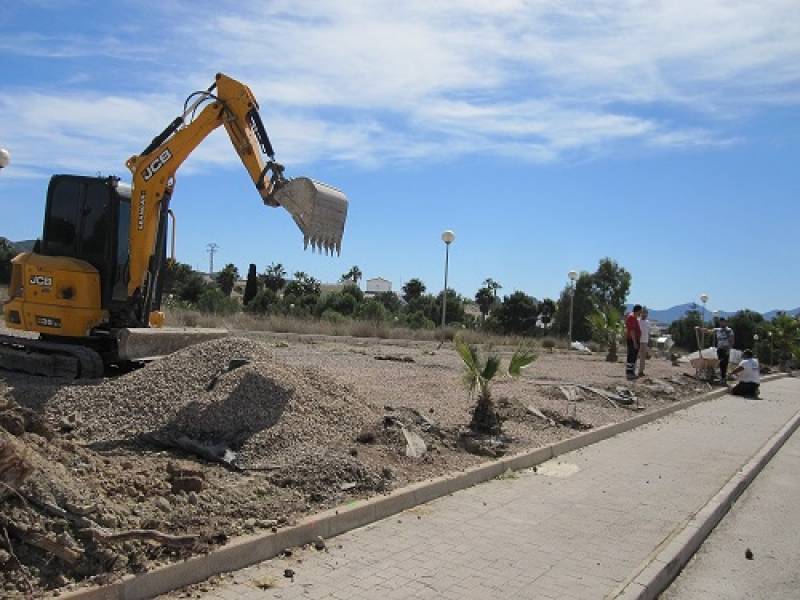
{"x": 518, "y": 313}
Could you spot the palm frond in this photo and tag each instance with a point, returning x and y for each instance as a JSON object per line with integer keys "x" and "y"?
{"x": 521, "y": 358}
{"x": 470, "y": 381}
{"x": 491, "y": 367}
{"x": 469, "y": 355}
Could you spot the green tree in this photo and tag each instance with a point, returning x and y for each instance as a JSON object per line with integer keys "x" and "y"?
{"x": 303, "y": 285}
{"x": 413, "y": 289}
{"x": 607, "y": 327}
{"x": 192, "y": 288}
{"x": 266, "y": 301}
{"x": 175, "y": 276}
{"x": 492, "y": 286}
{"x": 7, "y": 252}
{"x": 785, "y": 338}
{"x": 417, "y": 320}
{"x": 251, "y": 288}
{"x": 683, "y": 330}
{"x": 745, "y": 324}
{"x": 455, "y": 308}
{"x": 390, "y": 301}
{"x": 274, "y": 277}
{"x": 216, "y": 301}
{"x": 344, "y": 304}
{"x": 354, "y": 291}
{"x": 610, "y": 285}
{"x": 301, "y": 295}
{"x": 479, "y": 371}
{"x": 373, "y": 311}
{"x": 516, "y": 314}
{"x": 547, "y": 310}
{"x": 227, "y": 278}
{"x": 485, "y": 298}
{"x": 584, "y": 305}
{"x": 354, "y": 275}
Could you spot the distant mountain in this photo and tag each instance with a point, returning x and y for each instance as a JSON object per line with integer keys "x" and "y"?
{"x": 668, "y": 315}
{"x": 774, "y": 313}
{"x": 24, "y": 245}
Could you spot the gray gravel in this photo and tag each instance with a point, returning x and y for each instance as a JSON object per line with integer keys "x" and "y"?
{"x": 265, "y": 410}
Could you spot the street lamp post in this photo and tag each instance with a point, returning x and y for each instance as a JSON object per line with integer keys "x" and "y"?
{"x": 704, "y": 299}
{"x": 5, "y": 158}
{"x": 771, "y": 359}
{"x": 573, "y": 275}
{"x": 755, "y": 344}
{"x": 448, "y": 237}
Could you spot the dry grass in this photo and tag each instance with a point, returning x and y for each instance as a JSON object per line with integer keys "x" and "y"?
{"x": 348, "y": 328}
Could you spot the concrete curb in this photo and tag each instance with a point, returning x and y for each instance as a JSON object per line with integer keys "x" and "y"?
{"x": 656, "y": 573}
{"x": 247, "y": 550}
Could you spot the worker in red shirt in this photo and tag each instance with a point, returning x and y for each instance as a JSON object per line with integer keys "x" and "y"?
{"x": 633, "y": 334}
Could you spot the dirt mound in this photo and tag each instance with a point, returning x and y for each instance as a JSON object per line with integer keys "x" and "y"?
{"x": 327, "y": 476}
{"x": 229, "y": 392}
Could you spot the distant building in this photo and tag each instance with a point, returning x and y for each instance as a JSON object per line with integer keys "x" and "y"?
{"x": 378, "y": 285}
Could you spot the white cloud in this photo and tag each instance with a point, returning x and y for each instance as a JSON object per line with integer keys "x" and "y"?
{"x": 373, "y": 81}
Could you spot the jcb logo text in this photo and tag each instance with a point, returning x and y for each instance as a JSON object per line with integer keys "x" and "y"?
{"x": 157, "y": 163}
{"x": 41, "y": 280}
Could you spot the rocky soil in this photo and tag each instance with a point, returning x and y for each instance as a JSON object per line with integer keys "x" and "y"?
{"x": 103, "y": 478}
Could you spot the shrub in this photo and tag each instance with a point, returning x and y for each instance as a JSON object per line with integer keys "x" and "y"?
{"x": 263, "y": 302}
{"x": 373, "y": 311}
{"x": 216, "y": 301}
{"x": 331, "y": 316}
{"x": 548, "y": 344}
{"x": 417, "y": 320}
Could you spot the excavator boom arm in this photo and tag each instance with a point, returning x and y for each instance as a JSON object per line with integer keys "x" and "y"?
{"x": 319, "y": 210}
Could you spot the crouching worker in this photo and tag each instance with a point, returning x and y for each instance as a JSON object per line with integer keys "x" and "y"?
{"x": 749, "y": 376}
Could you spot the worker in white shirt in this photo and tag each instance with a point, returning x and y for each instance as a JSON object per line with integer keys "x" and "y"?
{"x": 644, "y": 340}
{"x": 749, "y": 376}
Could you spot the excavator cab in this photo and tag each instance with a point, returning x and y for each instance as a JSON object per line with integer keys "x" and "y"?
{"x": 67, "y": 287}
{"x": 88, "y": 218}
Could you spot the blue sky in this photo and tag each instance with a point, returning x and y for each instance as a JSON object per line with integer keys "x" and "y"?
{"x": 546, "y": 134}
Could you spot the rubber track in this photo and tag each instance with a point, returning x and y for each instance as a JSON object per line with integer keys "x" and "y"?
{"x": 89, "y": 363}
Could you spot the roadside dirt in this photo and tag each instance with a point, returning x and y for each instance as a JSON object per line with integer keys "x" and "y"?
{"x": 241, "y": 435}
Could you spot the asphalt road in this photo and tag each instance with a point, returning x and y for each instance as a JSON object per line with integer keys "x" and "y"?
{"x": 764, "y": 521}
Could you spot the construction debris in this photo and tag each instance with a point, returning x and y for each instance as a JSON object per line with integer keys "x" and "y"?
{"x": 415, "y": 445}
{"x": 15, "y": 465}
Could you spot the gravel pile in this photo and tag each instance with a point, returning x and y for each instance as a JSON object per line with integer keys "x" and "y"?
{"x": 264, "y": 410}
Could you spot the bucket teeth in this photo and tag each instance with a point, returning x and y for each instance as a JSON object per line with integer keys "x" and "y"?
{"x": 319, "y": 210}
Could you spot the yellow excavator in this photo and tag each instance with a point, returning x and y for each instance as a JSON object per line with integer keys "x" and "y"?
{"x": 92, "y": 287}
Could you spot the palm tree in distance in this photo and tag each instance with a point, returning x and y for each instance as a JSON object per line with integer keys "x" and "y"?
{"x": 354, "y": 275}
{"x": 492, "y": 285}
{"x": 274, "y": 277}
{"x": 607, "y": 328}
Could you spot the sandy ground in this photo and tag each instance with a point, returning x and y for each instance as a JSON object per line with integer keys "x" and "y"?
{"x": 87, "y": 481}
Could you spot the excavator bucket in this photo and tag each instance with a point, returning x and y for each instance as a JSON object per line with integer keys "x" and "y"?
{"x": 319, "y": 210}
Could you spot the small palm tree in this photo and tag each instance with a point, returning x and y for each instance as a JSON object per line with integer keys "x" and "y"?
{"x": 606, "y": 325}
{"x": 478, "y": 374}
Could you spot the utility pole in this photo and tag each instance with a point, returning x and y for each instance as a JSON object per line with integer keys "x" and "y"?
{"x": 211, "y": 249}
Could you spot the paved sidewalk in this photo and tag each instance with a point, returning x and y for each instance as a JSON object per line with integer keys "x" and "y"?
{"x": 578, "y": 528}
{"x": 765, "y": 520}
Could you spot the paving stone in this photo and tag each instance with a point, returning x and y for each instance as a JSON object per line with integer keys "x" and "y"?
{"x": 542, "y": 536}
